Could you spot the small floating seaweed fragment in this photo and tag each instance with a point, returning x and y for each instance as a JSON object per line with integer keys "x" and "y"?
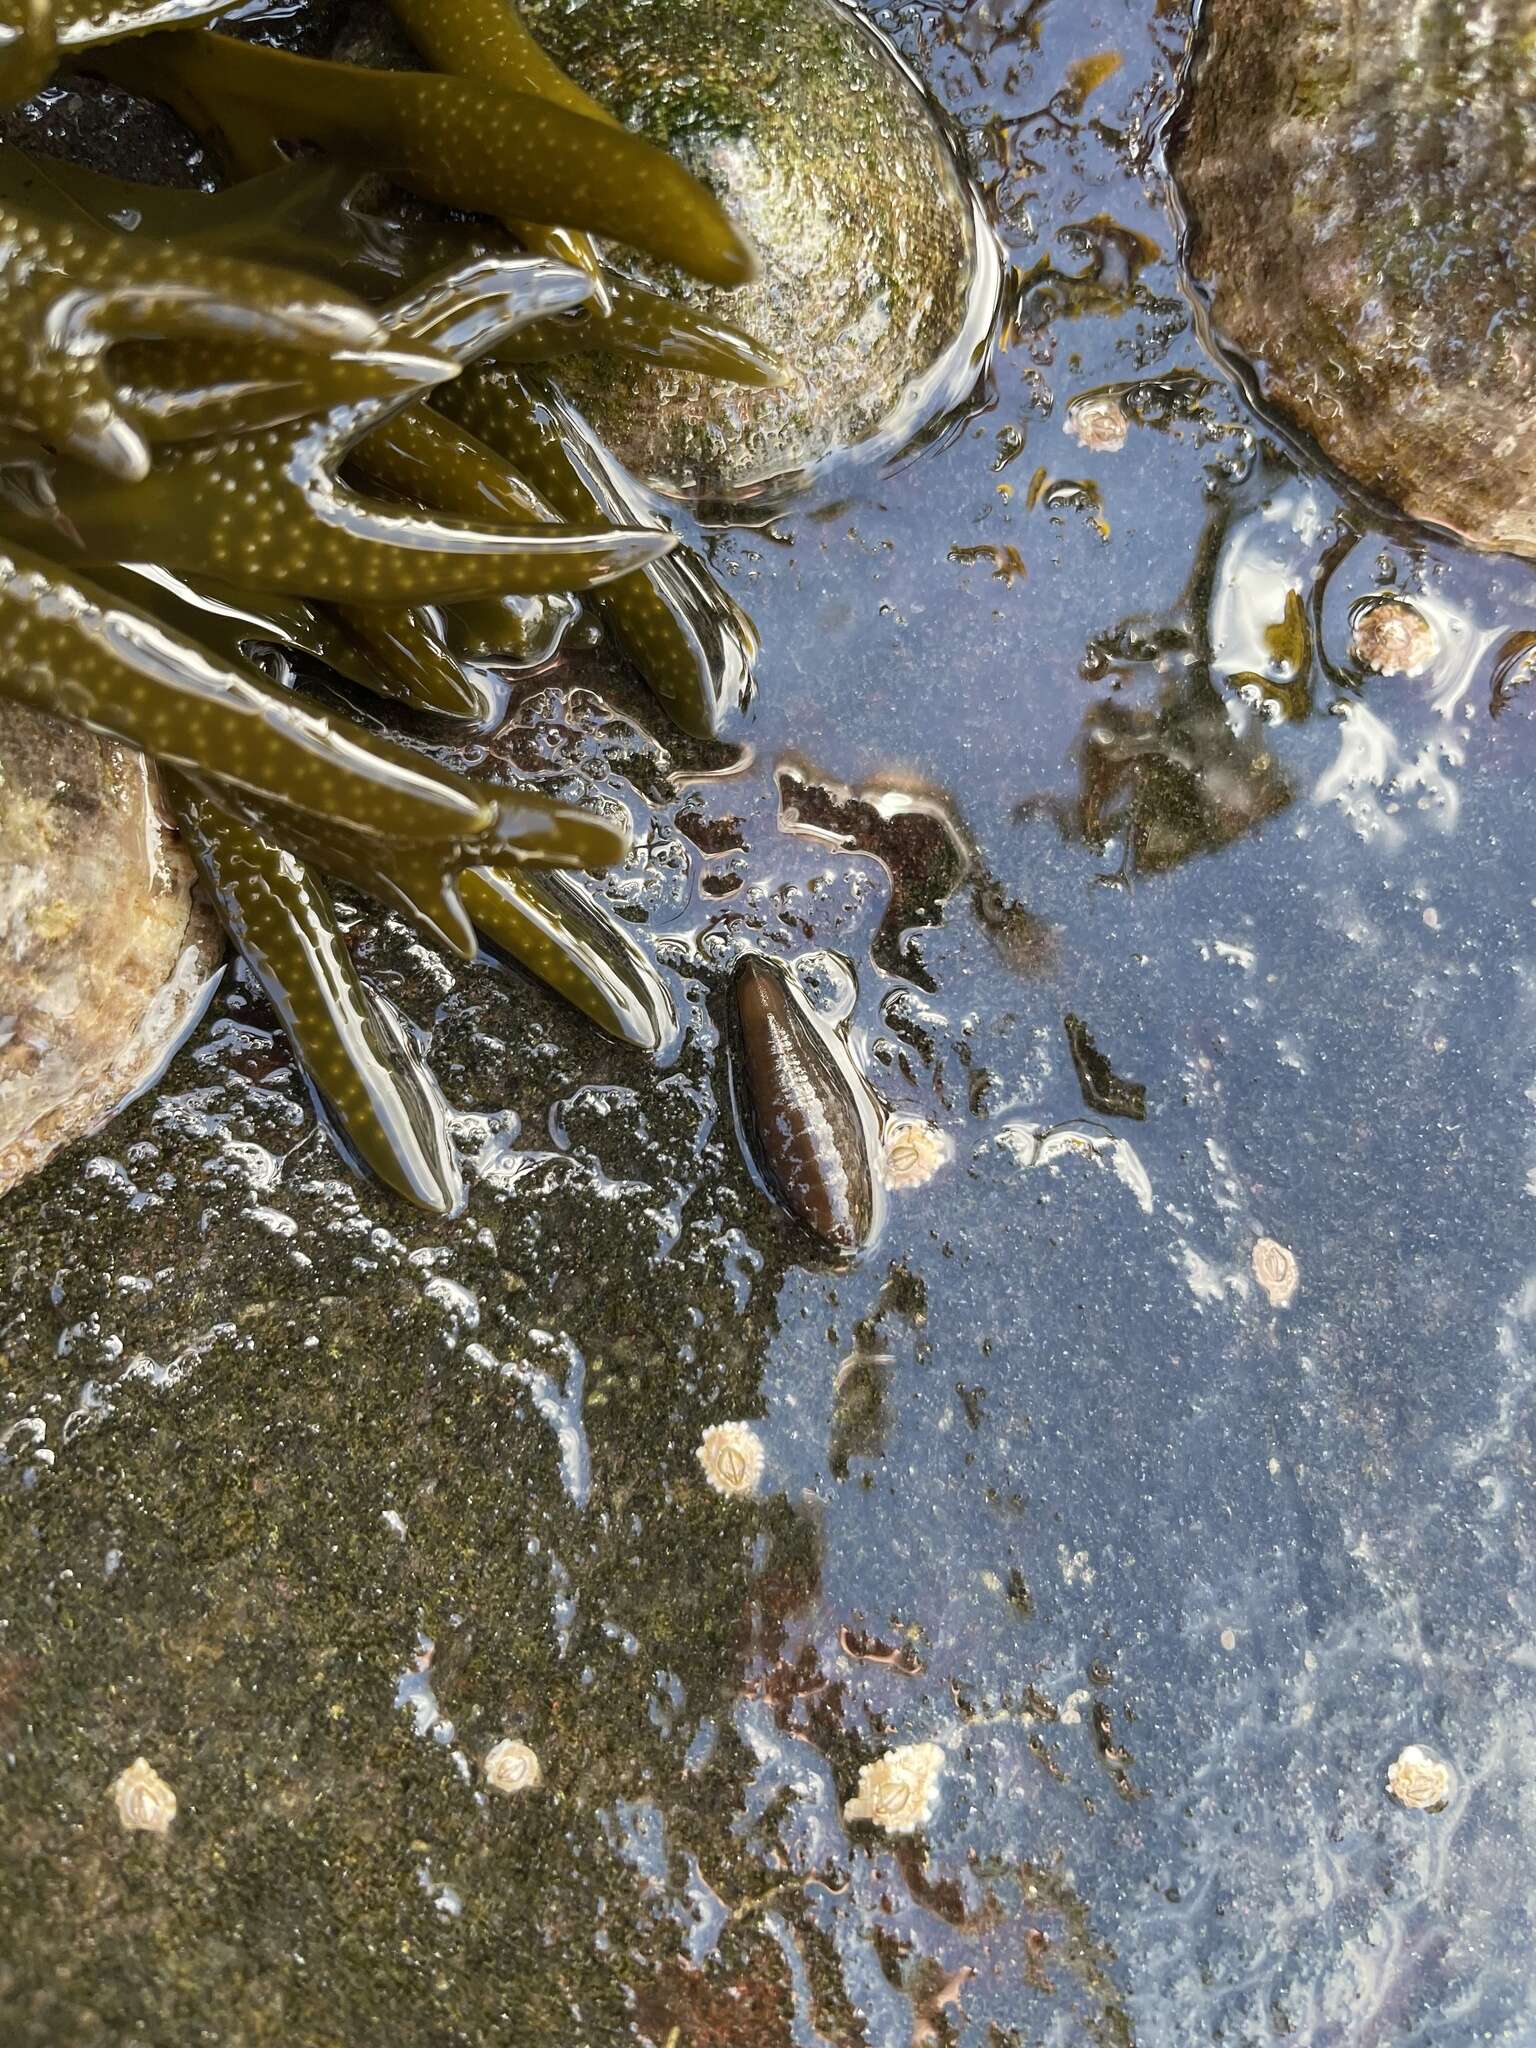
{"x": 914, "y": 1151}
{"x": 1103, "y": 1089}
{"x": 868, "y": 1649}
{"x": 1392, "y": 637}
{"x": 1420, "y": 1781}
{"x": 145, "y": 1803}
{"x": 1085, "y": 75}
{"x": 1007, "y": 562}
{"x": 1276, "y": 1270}
{"x": 900, "y": 1790}
{"x": 512, "y": 1767}
{"x": 916, "y": 835}
{"x": 1065, "y": 493}
{"x": 1098, "y": 424}
{"x": 806, "y": 1118}
{"x": 731, "y": 1454}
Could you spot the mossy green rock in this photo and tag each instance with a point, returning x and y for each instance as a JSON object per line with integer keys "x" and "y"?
{"x": 1361, "y": 182}
{"x": 878, "y": 278}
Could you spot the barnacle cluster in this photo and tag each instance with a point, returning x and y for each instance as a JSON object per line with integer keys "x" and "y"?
{"x": 317, "y": 412}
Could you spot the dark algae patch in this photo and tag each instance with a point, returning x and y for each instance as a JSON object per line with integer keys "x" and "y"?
{"x": 1103, "y": 1089}
{"x": 1151, "y": 1566}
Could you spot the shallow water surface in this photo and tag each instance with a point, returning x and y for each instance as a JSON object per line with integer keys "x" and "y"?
{"x": 311, "y": 1501}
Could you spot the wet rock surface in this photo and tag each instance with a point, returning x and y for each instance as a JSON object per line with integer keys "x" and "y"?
{"x": 1170, "y": 1476}
{"x": 879, "y": 278}
{"x": 103, "y": 949}
{"x": 1360, "y": 186}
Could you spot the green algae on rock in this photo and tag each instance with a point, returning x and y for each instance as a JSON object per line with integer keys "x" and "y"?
{"x": 1359, "y": 186}
{"x": 880, "y": 275}
{"x": 104, "y": 951}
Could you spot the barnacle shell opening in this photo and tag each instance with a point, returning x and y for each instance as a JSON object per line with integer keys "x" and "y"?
{"x": 913, "y": 1152}
{"x": 732, "y": 1456}
{"x": 1277, "y": 1271}
{"x": 1393, "y": 638}
{"x": 513, "y": 1767}
{"x": 1098, "y": 424}
{"x": 899, "y": 1791}
{"x": 1419, "y": 1781}
{"x": 145, "y": 1803}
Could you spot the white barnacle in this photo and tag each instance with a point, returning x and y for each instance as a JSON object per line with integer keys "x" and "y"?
{"x": 1418, "y": 1780}
{"x": 1276, "y": 1270}
{"x": 145, "y": 1803}
{"x": 1393, "y": 637}
{"x": 732, "y": 1456}
{"x": 513, "y": 1767}
{"x": 914, "y": 1151}
{"x": 900, "y": 1790}
{"x": 1098, "y": 424}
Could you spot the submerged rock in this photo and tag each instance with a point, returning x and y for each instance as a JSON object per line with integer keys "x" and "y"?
{"x": 880, "y": 277}
{"x": 104, "y": 950}
{"x": 1359, "y": 183}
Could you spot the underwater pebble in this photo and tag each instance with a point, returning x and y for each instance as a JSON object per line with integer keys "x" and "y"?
{"x": 1276, "y": 1270}
{"x": 1098, "y": 424}
{"x": 900, "y": 1790}
{"x": 513, "y": 1767}
{"x": 1394, "y": 639}
{"x": 914, "y": 1151}
{"x": 1418, "y": 1780}
{"x": 732, "y": 1457}
{"x": 145, "y": 1803}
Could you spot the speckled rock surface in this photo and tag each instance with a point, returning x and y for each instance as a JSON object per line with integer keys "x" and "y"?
{"x": 103, "y": 948}
{"x": 877, "y": 286}
{"x": 1361, "y": 181}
